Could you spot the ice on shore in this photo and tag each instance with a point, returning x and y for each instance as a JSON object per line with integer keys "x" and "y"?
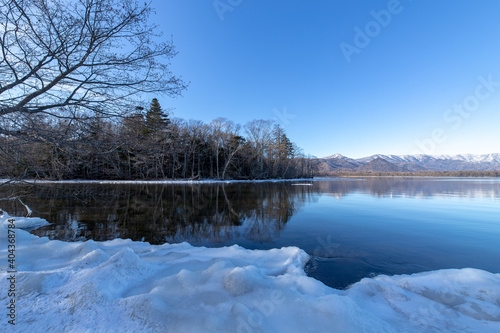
{"x": 126, "y": 286}
{"x": 25, "y": 223}
{"x": 172, "y": 181}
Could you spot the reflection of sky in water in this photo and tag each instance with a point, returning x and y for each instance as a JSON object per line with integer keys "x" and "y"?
{"x": 405, "y": 234}
{"x": 415, "y": 187}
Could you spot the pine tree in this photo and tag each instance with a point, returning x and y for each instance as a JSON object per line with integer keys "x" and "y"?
{"x": 157, "y": 120}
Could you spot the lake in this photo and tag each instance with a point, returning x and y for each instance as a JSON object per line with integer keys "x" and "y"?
{"x": 352, "y": 228}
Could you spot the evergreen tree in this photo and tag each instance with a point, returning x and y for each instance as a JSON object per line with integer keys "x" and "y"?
{"x": 283, "y": 146}
{"x": 157, "y": 120}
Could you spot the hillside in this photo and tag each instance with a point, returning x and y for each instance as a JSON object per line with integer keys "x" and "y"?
{"x": 409, "y": 163}
{"x": 380, "y": 165}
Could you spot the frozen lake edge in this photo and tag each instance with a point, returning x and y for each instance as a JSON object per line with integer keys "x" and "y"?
{"x": 83, "y": 286}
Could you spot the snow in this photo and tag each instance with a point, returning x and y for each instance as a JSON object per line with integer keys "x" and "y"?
{"x": 26, "y": 223}
{"x": 471, "y": 158}
{"x": 169, "y": 181}
{"x": 340, "y": 156}
{"x": 126, "y": 286}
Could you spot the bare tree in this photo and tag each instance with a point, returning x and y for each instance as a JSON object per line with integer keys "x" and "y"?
{"x": 222, "y": 131}
{"x": 197, "y": 132}
{"x": 259, "y": 134}
{"x": 72, "y": 58}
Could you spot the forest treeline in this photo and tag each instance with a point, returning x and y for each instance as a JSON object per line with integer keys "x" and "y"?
{"x": 148, "y": 144}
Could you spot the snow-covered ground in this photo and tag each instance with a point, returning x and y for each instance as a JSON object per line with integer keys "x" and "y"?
{"x": 125, "y": 286}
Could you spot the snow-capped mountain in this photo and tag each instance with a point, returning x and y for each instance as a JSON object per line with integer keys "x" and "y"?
{"x": 420, "y": 162}
{"x": 421, "y": 158}
{"x": 337, "y": 162}
{"x": 334, "y": 156}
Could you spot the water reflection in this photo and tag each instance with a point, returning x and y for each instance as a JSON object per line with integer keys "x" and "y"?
{"x": 163, "y": 213}
{"x": 373, "y": 226}
{"x": 414, "y": 187}
{"x": 208, "y": 214}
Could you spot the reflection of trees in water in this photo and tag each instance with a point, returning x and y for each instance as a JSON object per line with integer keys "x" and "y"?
{"x": 202, "y": 213}
{"x": 159, "y": 213}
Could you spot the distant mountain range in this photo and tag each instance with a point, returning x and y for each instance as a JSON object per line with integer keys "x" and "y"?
{"x": 410, "y": 163}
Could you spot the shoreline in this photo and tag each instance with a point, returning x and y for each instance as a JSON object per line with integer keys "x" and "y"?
{"x": 237, "y": 181}
{"x": 176, "y": 181}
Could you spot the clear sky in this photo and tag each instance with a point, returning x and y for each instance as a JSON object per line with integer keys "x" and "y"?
{"x": 351, "y": 77}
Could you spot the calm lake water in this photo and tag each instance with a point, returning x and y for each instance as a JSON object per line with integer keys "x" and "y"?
{"x": 351, "y": 228}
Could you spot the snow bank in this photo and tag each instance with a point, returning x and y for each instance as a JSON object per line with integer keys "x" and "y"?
{"x": 25, "y": 223}
{"x": 125, "y": 286}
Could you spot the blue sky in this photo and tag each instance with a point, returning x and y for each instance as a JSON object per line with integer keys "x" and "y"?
{"x": 396, "y": 87}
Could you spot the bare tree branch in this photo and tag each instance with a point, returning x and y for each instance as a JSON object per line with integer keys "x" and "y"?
{"x": 94, "y": 54}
